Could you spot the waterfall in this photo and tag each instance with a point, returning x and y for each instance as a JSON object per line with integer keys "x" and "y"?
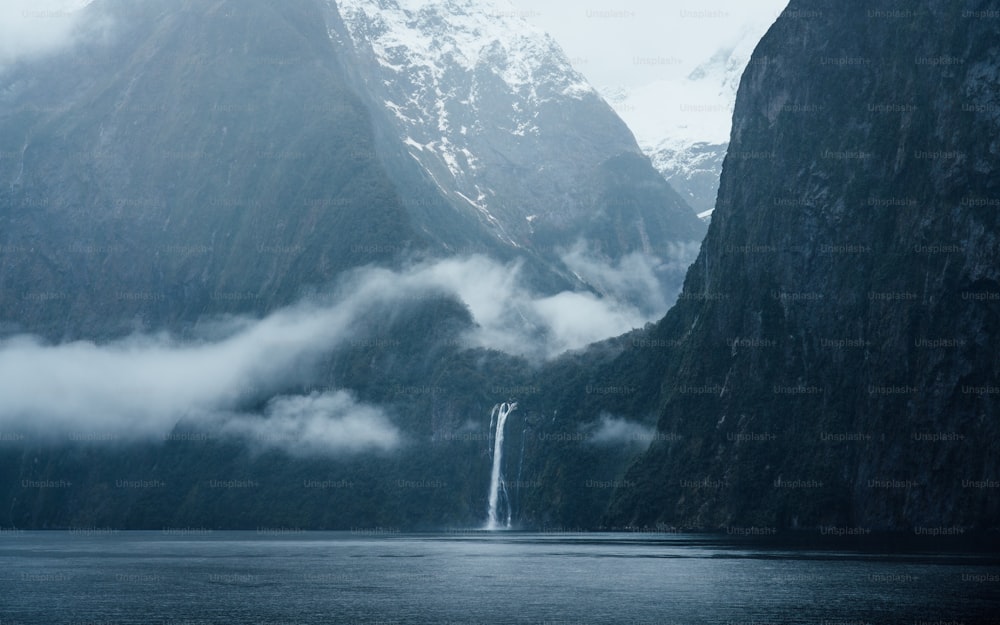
{"x": 497, "y": 486}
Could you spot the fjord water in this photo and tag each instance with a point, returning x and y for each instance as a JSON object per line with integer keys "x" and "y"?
{"x": 305, "y": 578}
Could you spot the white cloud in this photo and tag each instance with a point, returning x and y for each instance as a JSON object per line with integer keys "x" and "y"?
{"x": 574, "y": 320}
{"x": 633, "y": 278}
{"x": 617, "y": 431}
{"x": 36, "y": 27}
{"x": 633, "y": 42}
{"x": 316, "y": 424}
{"x": 649, "y": 283}
{"x": 680, "y": 257}
{"x": 142, "y": 386}
{"x": 512, "y": 318}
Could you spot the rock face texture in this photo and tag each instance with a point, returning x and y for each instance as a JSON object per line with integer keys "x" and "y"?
{"x": 202, "y": 158}
{"x": 833, "y": 356}
{"x": 221, "y": 157}
{"x": 683, "y": 122}
{"x": 211, "y": 161}
{"x": 831, "y": 361}
{"x": 498, "y": 120}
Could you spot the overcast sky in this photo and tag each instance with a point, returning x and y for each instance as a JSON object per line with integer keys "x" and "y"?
{"x": 632, "y": 42}
{"x": 35, "y": 26}
{"x": 626, "y": 43}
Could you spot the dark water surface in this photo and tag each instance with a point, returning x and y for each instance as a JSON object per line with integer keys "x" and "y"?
{"x": 305, "y": 578}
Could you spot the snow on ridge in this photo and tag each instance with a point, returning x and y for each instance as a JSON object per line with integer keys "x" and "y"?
{"x": 683, "y": 123}
{"x": 440, "y": 34}
{"x": 441, "y": 62}
{"x": 676, "y": 114}
{"x": 65, "y": 5}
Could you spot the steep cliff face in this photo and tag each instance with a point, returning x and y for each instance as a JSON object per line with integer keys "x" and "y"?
{"x": 200, "y": 159}
{"x": 493, "y": 113}
{"x": 220, "y": 156}
{"x": 832, "y": 359}
{"x": 205, "y": 158}
{"x": 683, "y": 123}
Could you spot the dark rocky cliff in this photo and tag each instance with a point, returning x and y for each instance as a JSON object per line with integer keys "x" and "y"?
{"x": 831, "y": 361}
{"x": 833, "y": 357}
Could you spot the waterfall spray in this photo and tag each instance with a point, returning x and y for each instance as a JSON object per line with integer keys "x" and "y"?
{"x": 497, "y": 487}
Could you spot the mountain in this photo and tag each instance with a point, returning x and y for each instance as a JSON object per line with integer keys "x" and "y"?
{"x": 510, "y": 134}
{"x": 831, "y": 360}
{"x": 200, "y": 159}
{"x": 209, "y": 158}
{"x": 683, "y": 123}
{"x": 223, "y": 260}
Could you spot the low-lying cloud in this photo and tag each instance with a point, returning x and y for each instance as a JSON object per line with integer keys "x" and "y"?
{"x": 316, "y": 424}
{"x": 650, "y": 283}
{"x": 143, "y": 385}
{"x": 513, "y": 319}
{"x": 632, "y": 278}
{"x": 610, "y": 430}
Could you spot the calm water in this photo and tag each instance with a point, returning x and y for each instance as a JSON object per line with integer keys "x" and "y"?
{"x": 254, "y": 578}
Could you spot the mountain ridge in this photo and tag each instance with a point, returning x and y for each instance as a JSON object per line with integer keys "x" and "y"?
{"x": 829, "y": 362}
{"x": 173, "y": 154}
{"x": 146, "y": 194}
{"x": 498, "y": 111}
{"x": 683, "y": 123}
{"x": 826, "y": 339}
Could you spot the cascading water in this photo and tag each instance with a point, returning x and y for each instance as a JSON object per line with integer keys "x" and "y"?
{"x": 497, "y": 487}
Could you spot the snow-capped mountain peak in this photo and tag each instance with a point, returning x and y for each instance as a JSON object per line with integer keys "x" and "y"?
{"x": 487, "y": 110}
{"x": 466, "y": 84}
{"x": 425, "y": 42}
{"x": 683, "y": 123}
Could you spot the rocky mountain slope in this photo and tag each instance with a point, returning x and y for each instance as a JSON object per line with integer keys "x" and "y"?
{"x": 496, "y": 117}
{"x": 683, "y": 123}
{"x": 832, "y": 359}
{"x": 186, "y": 203}
{"x": 210, "y": 158}
{"x": 201, "y": 159}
